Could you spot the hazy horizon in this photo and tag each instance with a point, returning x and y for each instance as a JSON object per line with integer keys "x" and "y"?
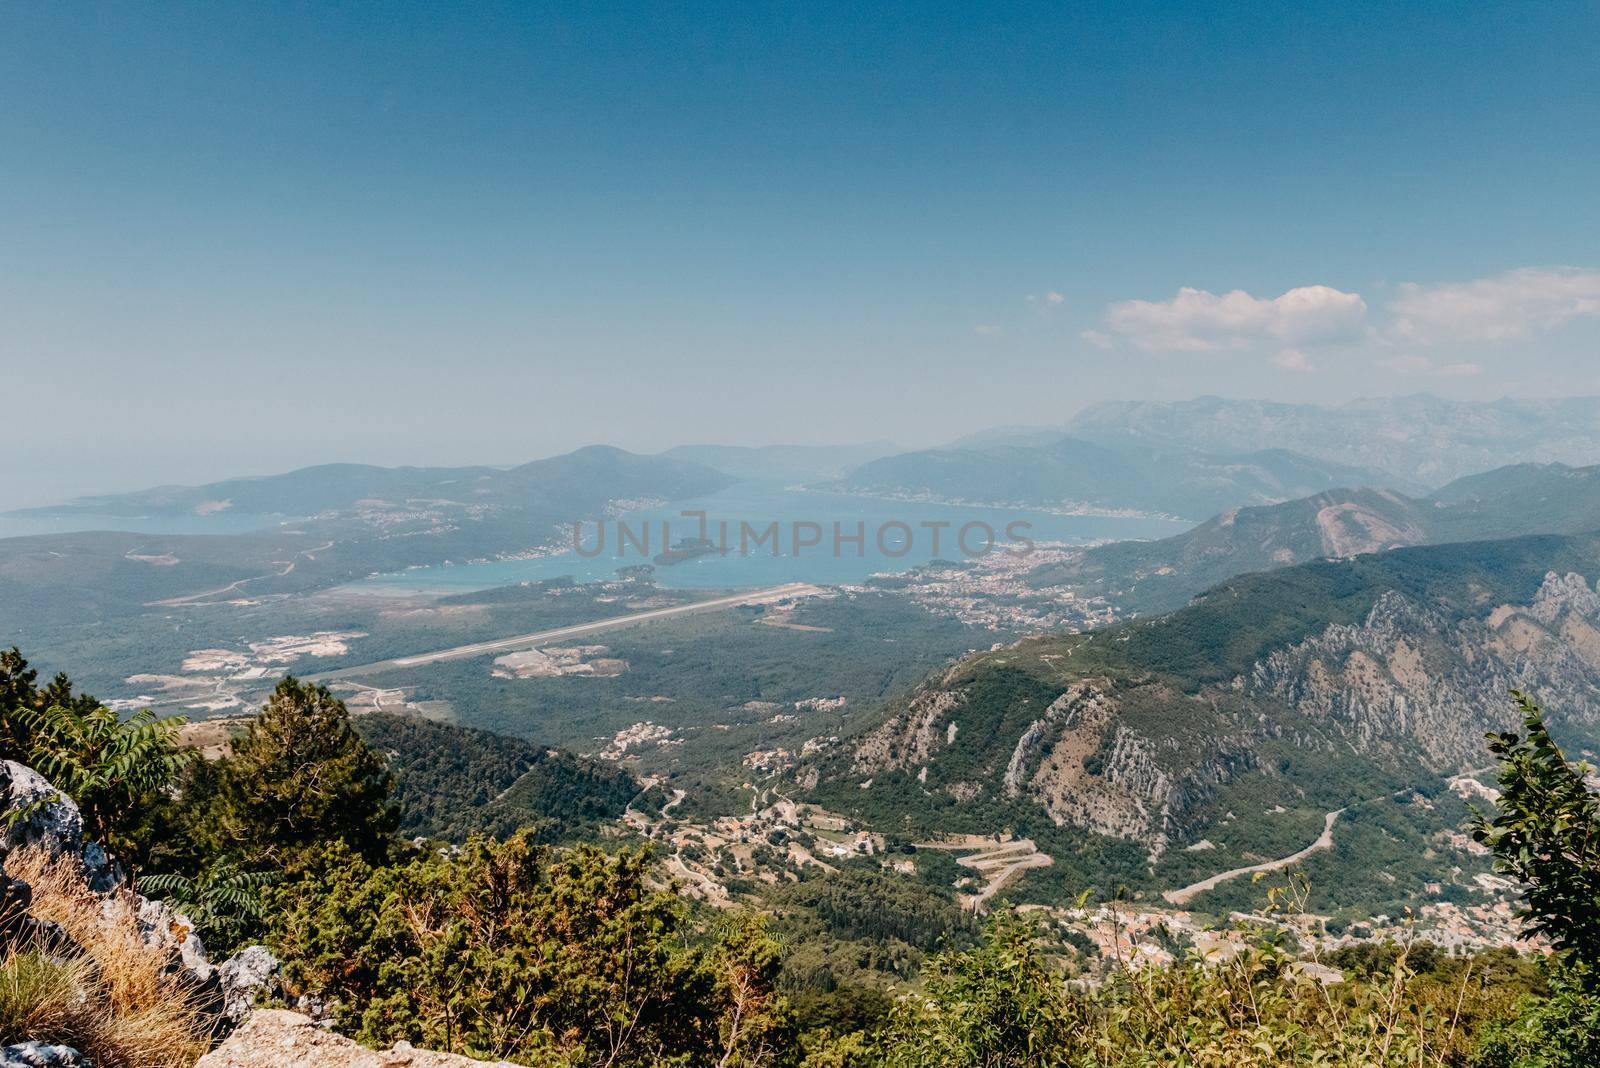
{"x": 268, "y": 237}
{"x": 21, "y": 492}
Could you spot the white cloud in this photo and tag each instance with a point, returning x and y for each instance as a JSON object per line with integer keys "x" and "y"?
{"x": 1422, "y": 365}
{"x": 1198, "y": 321}
{"x": 1503, "y": 308}
{"x": 1051, "y": 299}
{"x": 1293, "y": 360}
{"x": 986, "y": 330}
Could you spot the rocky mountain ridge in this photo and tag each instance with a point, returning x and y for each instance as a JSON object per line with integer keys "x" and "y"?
{"x": 1395, "y": 685}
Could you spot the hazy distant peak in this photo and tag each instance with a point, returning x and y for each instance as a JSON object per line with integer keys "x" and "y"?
{"x": 1416, "y": 441}
{"x": 1080, "y": 475}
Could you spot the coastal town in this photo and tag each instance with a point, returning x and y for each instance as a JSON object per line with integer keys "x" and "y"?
{"x": 993, "y": 591}
{"x": 778, "y": 839}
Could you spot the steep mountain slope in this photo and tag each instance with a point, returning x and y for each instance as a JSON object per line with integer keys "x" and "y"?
{"x": 1308, "y": 687}
{"x": 1071, "y": 473}
{"x": 1415, "y": 441}
{"x": 1524, "y": 499}
{"x": 1158, "y": 576}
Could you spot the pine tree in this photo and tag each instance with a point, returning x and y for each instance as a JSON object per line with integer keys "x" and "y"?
{"x": 301, "y": 777}
{"x": 17, "y": 694}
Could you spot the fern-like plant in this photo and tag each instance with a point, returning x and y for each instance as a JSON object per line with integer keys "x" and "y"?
{"x": 107, "y": 765}
{"x": 223, "y": 901}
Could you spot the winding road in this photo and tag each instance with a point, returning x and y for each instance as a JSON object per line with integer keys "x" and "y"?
{"x": 1001, "y": 865}
{"x": 1324, "y": 841}
{"x": 998, "y": 863}
{"x": 234, "y": 587}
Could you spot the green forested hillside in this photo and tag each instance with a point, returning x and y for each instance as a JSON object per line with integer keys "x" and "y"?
{"x": 453, "y": 782}
{"x": 1234, "y": 624}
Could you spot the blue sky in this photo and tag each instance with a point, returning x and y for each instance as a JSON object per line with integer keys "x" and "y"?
{"x": 237, "y": 238}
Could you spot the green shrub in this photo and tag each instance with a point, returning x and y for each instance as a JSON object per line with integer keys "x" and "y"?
{"x": 39, "y": 997}
{"x": 1546, "y": 835}
{"x": 1559, "y": 1031}
{"x": 109, "y": 765}
{"x": 515, "y": 950}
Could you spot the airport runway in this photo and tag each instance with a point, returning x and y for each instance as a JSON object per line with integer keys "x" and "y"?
{"x": 527, "y": 641}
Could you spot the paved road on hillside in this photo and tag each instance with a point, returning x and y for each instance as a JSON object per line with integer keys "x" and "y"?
{"x": 997, "y": 862}
{"x": 1324, "y": 841}
{"x": 526, "y": 641}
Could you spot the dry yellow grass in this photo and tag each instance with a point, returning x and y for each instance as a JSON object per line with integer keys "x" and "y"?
{"x": 113, "y": 999}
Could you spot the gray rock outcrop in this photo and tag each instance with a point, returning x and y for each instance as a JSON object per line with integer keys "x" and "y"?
{"x": 48, "y": 819}
{"x": 41, "y": 1055}
{"x": 249, "y": 976}
{"x": 36, "y": 813}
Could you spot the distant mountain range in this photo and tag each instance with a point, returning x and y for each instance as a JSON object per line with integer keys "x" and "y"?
{"x": 1418, "y": 441}
{"x": 1190, "y": 458}
{"x": 1415, "y": 442}
{"x": 1075, "y": 474}
{"x": 1158, "y": 576}
{"x": 1031, "y": 437}
{"x": 574, "y": 479}
{"x": 362, "y": 520}
{"x": 557, "y": 482}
